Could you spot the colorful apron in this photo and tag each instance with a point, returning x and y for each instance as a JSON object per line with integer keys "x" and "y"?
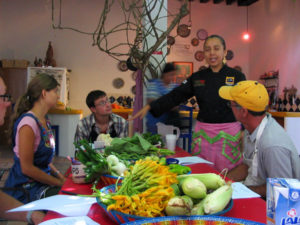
{"x": 218, "y": 143}
{"x": 42, "y": 158}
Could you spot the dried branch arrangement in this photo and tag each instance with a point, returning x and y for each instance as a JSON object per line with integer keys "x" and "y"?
{"x": 139, "y": 27}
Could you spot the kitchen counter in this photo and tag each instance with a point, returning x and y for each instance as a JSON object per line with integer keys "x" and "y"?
{"x": 64, "y": 111}
{"x": 285, "y": 114}
{"x": 123, "y": 112}
{"x": 65, "y": 123}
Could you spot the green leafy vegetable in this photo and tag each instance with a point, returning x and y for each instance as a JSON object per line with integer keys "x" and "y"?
{"x": 134, "y": 148}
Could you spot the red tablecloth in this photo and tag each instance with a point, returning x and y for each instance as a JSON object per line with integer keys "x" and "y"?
{"x": 250, "y": 209}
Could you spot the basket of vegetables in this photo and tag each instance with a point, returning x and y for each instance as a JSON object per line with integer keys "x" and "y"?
{"x": 195, "y": 220}
{"x": 150, "y": 190}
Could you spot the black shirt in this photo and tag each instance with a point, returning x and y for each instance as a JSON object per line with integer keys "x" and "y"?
{"x": 204, "y": 85}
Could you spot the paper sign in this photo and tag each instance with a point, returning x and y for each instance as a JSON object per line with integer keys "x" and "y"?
{"x": 192, "y": 160}
{"x": 241, "y": 191}
{"x": 68, "y": 205}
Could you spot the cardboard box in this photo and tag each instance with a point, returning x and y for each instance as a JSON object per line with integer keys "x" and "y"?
{"x": 283, "y": 201}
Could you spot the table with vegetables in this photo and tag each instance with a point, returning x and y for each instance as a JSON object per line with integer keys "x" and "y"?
{"x": 146, "y": 185}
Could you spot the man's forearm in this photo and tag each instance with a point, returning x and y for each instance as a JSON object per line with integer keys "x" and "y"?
{"x": 238, "y": 173}
{"x": 261, "y": 189}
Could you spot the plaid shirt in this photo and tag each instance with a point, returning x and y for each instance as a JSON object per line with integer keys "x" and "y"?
{"x": 116, "y": 123}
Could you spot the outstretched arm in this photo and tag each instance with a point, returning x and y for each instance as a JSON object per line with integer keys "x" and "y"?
{"x": 141, "y": 114}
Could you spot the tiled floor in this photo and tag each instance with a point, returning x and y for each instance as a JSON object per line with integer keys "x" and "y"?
{"x": 6, "y": 161}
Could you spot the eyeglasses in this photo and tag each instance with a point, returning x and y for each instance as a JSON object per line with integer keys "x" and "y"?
{"x": 103, "y": 103}
{"x": 229, "y": 104}
{"x": 6, "y": 97}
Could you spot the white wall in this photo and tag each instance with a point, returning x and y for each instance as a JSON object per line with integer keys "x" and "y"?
{"x": 25, "y": 29}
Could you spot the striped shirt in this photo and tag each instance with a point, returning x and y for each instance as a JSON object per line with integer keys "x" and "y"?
{"x": 116, "y": 124}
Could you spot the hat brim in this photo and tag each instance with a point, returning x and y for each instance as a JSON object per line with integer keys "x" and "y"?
{"x": 224, "y": 92}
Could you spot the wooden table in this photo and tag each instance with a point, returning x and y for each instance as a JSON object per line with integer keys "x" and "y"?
{"x": 250, "y": 209}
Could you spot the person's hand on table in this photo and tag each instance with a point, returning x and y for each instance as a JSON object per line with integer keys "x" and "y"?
{"x": 62, "y": 178}
{"x": 37, "y": 217}
{"x": 141, "y": 114}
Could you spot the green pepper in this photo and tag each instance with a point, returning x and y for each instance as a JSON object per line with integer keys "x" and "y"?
{"x": 179, "y": 169}
{"x": 163, "y": 161}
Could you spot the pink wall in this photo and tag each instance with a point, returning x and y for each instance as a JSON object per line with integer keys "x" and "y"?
{"x": 276, "y": 40}
{"x": 275, "y": 37}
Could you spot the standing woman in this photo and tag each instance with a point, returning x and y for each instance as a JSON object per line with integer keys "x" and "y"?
{"x": 33, "y": 141}
{"x": 216, "y": 136}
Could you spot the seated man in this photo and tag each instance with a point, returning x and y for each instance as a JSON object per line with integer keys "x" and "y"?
{"x": 268, "y": 150}
{"x": 102, "y": 120}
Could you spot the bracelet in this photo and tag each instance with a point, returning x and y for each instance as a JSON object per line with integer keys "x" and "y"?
{"x": 28, "y": 217}
{"x": 56, "y": 172}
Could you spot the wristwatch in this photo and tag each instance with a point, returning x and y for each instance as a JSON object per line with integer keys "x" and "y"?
{"x": 28, "y": 217}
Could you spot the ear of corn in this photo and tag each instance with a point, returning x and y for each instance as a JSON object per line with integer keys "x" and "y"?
{"x": 198, "y": 209}
{"x": 193, "y": 188}
{"x": 179, "y": 206}
{"x": 210, "y": 180}
{"x": 217, "y": 200}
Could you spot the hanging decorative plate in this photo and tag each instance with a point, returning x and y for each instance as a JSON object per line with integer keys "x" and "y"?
{"x": 120, "y": 99}
{"x": 183, "y": 30}
{"x": 118, "y": 83}
{"x": 202, "y": 34}
{"x": 195, "y": 42}
{"x": 229, "y": 55}
{"x": 112, "y": 99}
{"x": 129, "y": 65}
{"x": 134, "y": 75}
{"x": 199, "y": 55}
{"x": 170, "y": 40}
{"x": 122, "y": 66}
{"x": 133, "y": 89}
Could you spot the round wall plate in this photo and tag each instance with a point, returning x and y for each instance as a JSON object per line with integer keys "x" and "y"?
{"x": 133, "y": 89}
{"x": 130, "y": 66}
{"x": 122, "y": 66}
{"x": 202, "y": 34}
{"x": 134, "y": 75}
{"x": 170, "y": 40}
{"x": 183, "y": 30}
{"x": 118, "y": 83}
{"x": 229, "y": 55}
{"x": 199, "y": 55}
{"x": 195, "y": 41}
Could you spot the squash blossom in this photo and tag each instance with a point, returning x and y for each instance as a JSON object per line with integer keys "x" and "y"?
{"x": 145, "y": 190}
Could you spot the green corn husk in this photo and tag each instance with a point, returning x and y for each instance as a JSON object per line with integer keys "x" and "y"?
{"x": 193, "y": 188}
{"x": 210, "y": 180}
{"x": 217, "y": 200}
{"x": 198, "y": 209}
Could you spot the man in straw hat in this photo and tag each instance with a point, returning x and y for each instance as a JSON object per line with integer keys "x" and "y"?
{"x": 268, "y": 150}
